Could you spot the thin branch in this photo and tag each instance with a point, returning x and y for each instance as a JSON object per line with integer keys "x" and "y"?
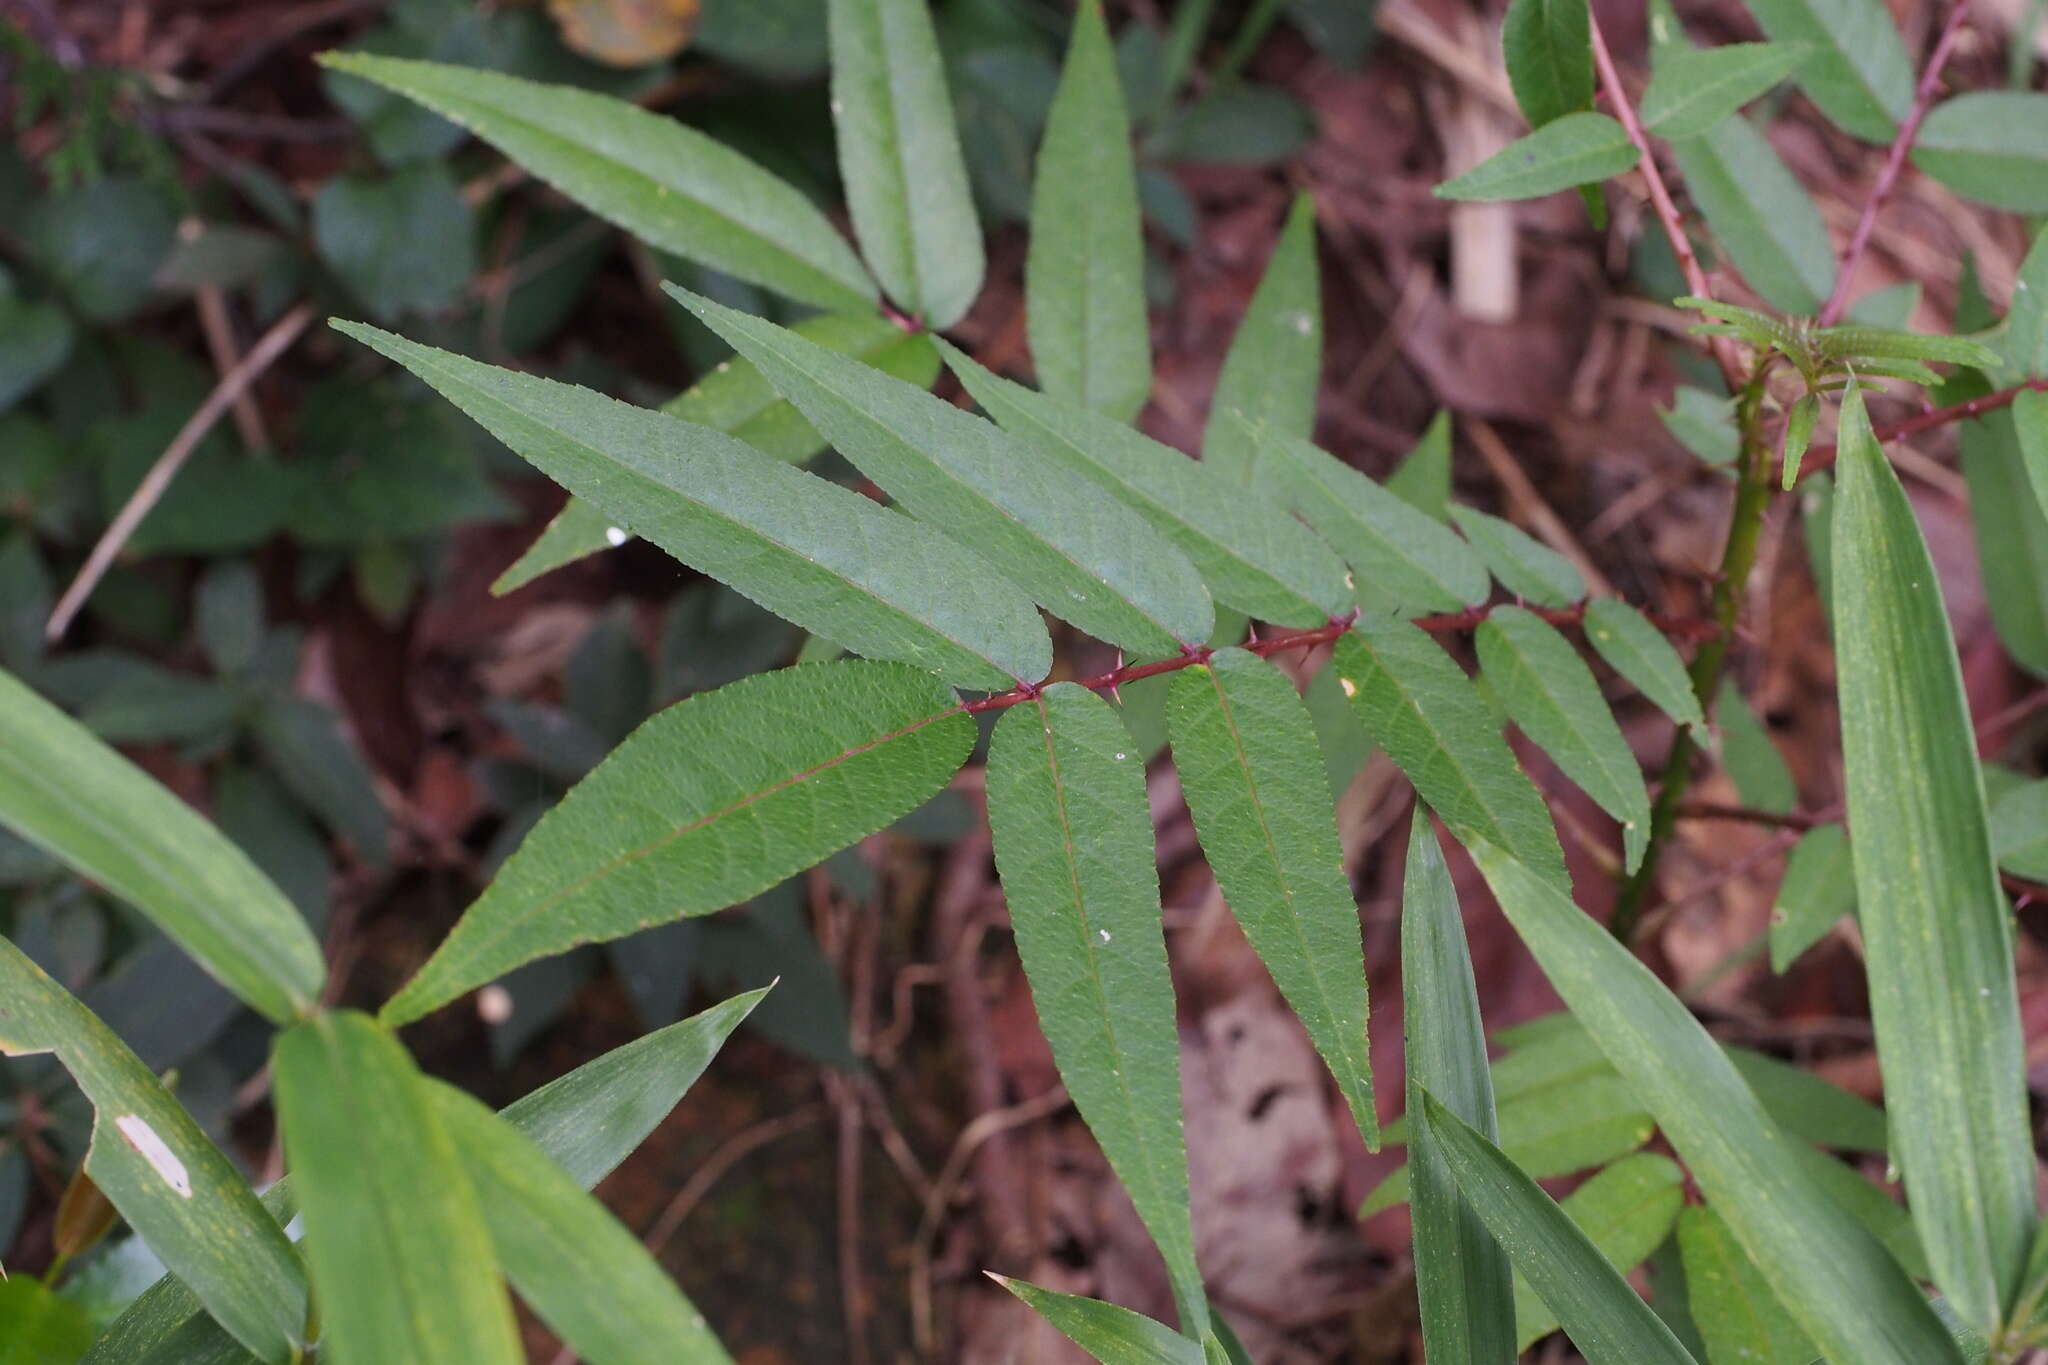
{"x": 232, "y": 386}
{"x": 1894, "y": 162}
{"x": 1821, "y": 456}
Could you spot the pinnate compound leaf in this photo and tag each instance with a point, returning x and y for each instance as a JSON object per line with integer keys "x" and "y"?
{"x": 1462, "y": 1276}
{"x": 1549, "y": 50}
{"x": 1627, "y": 1210}
{"x": 1422, "y": 709}
{"x": 1549, "y": 692}
{"x": 1525, "y": 566}
{"x": 1990, "y": 146}
{"x": 1084, "y": 276}
{"x": 401, "y": 1259}
{"x": 1253, "y": 556}
{"x": 1934, "y": 918}
{"x": 1694, "y": 89}
{"x": 1087, "y": 559}
{"x": 1639, "y": 652}
{"x": 152, "y": 1161}
{"x": 811, "y": 552}
{"x": 1605, "y": 1318}
{"x": 1760, "y": 214}
{"x": 1577, "y": 149}
{"x": 63, "y": 789}
{"x": 667, "y": 184}
{"x": 1857, "y": 69}
{"x": 1842, "y": 1286}
{"x": 1737, "y": 1314}
{"x": 1113, "y": 1335}
{"x": 1269, "y": 377}
{"x": 1246, "y": 752}
{"x": 899, "y": 154}
{"x": 1403, "y": 558}
{"x": 714, "y": 800}
{"x": 1073, "y": 842}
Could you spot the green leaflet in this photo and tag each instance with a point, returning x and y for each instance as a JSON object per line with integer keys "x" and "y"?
{"x": 401, "y": 1259}
{"x": 304, "y": 744}
{"x": 2030, "y": 425}
{"x": 1736, "y": 1312}
{"x": 1577, "y": 149}
{"x": 1754, "y": 763}
{"x": 1550, "y": 693}
{"x": 2026, "y": 323}
{"x": 1462, "y": 1276}
{"x": 1605, "y": 1318}
{"x": 1073, "y": 842}
{"x": 2019, "y": 831}
{"x": 587, "y": 1122}
{"x": 735, "y": 399}
{"x": 1253, "y": 556}
{"x": 665, "y": 183}
{"x": 66, "y": 791}
{"x": 1422, "y": 709}
{"x": 1818, "y": 889}
{"x": 1087, "y": 559}
{"x": 899, "y": 154}
{"x": 1525, "y": 566}
{"x": 1934, "y": 918}
{"x": 814, "y": 553}
{"x": 1704, "y": 423}
{"x": 576, "y": 1266}
{"x": 1402, "y": 557}
{"x": 1269, "y": 376}
{"x": 714, "y": 800}
{"x": 1694, "y": 88}
{"x": 1761, "y": 216}
{"x": 1843, "y": 1287}
{"x": 1549, "y": 50}
{"x": 1105, "y": 1331}
{"x": 158, "y": 1168}
{"x": 1639, "y": 652}
{"x": 1627, "y": 1211}
{"x": 2012, "y": 533}
{"x": 1246, "y": 752}
{"x": 37, "y": 1327}
{"x": 1798, "y": 431}
{"x": 1423, "y": 478}
{"x": 1084, "y": 274}
{"x": 1991, "y": 146}
{"x": 1857, "y": 71}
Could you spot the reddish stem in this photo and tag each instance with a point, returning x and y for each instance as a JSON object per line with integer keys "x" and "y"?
{"x": 1821, "y": 456}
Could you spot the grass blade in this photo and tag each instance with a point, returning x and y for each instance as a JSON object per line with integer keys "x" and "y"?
{"x": 1113, "y": 1335}
{"x": 1627, "y": 1210}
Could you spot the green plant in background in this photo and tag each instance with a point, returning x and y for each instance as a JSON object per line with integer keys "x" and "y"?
{"x": 419, "y": 1206}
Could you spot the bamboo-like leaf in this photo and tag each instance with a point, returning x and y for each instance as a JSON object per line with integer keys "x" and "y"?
{"x": 1462, "y": 1277}
{"x": 1844, "y": 1289}
{"x": 1991, "y": 146}
{"x": 1088, "y": 559}
{"x": 1073, "y": 842}
{"x": 1084, "y": 274}
{"x": 1423, "y": 478}
{"x": 1934, "y": 919}
{"x": 899, "y": 154}
{"x": 814, "y": 553}
{"x": 1761, "y": 216}
{"x": 1819, "y": 888}
{"x": 714, "y": 800}
{"x": 2030, "y": 424}
{"x": 666, "y": 183}
{"x": 396, "y": 1239}
{"x": 1525, "y": 566}
{"x": 1639, "y": 652}
{"x": 580, "y": 1271}
{"x": 153, "y": 1162}
{"x": 1113, "y": 1335}
{"x": 735, "y": 399}
{"x": 1269, "y": 377}
{"x": 1857, "y": 69}
{"x": 1246, "y": 752}
{"x": 1627, "y": 1211}
{"x": 1253, "y": 556}
{"x": 1417, "y": 704}
{"x": 1549, "y": 50}
{"x": 1577, "y": 149}
{"x": 1737, "y": 1314}
{"x": 1606, "y": 1319}
{"x": 1694, "y": 88}
{"x": 64, "y": 790}
{"x": 1549, "y": 692}
{"x": 1403, "y": 557}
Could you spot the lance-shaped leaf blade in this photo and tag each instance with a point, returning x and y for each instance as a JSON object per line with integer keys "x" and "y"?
{"x": 1462, "y": 1276}
{"x": 1525, "y": 566}
{"x": 1934, "y": 918}
{"x": 1084, "y": 275}
{"x": 1819, "y": 888}
{"x": 1738, "y": 1316}
{"x": 1990, "y": 145}
{"x": 1639, "y": 652}
{"x": 401, "y": 1258}
{"x": 1627, "y": 1211}
{"x": 2030, "y": 423}
{"x": 667, "y": 184}
{"x": 1269, "y": 376}
{"x": 1857, "y": 69}
{"x": 1088, "y": 560}
{"x": 1106, "y": 1331}
{"x": 899, "y": 154}
{"x": 1577, "y": 149}
{"x": 1548, "y": 46}
{"x": 714, "y": 800}
{"x": 1760, "y": 214}
{"x": 807, "y": 550}
{"x": 1246, "y": 753}
{"x": 1694, "y": 89}
{"x": 65, "y": 790}
{"x": 1073, "y": 842}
